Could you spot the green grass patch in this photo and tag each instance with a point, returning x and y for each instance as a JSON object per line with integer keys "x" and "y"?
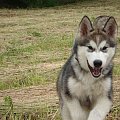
{"x": 29, "y": 78}
{"x": 116, "y": 70}
{"x": 15, "y": 50}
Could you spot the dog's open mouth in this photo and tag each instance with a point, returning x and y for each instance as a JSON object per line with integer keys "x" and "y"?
{"x": 96, "y": 71}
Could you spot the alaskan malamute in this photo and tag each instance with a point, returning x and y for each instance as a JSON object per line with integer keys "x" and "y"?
{"x": 85, "y": 83}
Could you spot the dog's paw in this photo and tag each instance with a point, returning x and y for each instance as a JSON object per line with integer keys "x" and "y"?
{"x": 94, "y": 115}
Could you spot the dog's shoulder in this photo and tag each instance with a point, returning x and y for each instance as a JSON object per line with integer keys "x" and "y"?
{"x": 65, "y": 73}
{"x": 67, "y": 70}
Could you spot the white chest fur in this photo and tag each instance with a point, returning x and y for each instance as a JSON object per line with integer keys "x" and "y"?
{"x": 88, "y": 87}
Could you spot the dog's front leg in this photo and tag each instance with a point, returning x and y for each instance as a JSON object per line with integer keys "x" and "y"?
{"x": 101, "y": 109}
{"x": 76, "y": 111}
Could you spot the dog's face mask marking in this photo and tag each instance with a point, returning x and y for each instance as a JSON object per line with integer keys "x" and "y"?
{"x": 96, "y": 46}
{"x": 98, "y": 57}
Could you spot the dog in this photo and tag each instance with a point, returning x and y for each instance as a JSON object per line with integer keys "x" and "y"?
{"x": 84, "y": 85}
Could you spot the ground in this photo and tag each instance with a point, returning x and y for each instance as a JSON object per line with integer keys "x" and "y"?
{"x": 34, "y": 44}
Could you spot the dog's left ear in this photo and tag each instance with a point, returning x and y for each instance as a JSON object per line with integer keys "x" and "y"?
{"x": 110, "y": 27}
{"x": 85, "y": 26}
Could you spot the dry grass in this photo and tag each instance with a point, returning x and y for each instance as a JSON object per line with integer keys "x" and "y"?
{"x": 33, "y": 46}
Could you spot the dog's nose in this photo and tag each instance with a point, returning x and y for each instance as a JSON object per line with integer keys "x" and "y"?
{"x": 97, "y": 63}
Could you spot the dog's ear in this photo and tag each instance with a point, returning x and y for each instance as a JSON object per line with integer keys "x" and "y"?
{"x": 85, "y": 26}
{"x": 110, "y": 27}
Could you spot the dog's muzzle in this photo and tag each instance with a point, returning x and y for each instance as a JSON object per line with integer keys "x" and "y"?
{"x": 96, "y": 71}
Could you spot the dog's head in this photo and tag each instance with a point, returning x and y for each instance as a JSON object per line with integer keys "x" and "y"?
{"x": 95, "y": 47}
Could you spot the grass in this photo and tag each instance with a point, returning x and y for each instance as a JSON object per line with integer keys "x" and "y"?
{"x": 34, "y": 44}
{"x": 12, "y": 112}
{"x": 18, "y": 49}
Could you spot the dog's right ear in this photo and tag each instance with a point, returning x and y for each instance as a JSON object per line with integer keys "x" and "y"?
{"x": 111, "y": 27}
{"x": 85, "y": 26}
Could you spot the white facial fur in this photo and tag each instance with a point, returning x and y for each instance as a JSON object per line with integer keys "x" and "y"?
{"x": 97, "y": 54}
{"x": 82, "y": 57}
{"x": 85, "y": 55}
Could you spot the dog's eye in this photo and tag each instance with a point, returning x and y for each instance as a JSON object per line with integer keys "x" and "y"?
{"x": 104, "y": 49}
{"x": 91, "y": 49}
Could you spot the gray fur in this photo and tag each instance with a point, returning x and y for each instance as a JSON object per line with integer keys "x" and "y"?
{"x": 100, "y": 21}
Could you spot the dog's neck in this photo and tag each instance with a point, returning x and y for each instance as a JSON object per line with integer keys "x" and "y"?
{"x": 79, "y": 71}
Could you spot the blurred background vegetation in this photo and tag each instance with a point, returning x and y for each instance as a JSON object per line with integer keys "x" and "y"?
{"x": 34, "y": 3}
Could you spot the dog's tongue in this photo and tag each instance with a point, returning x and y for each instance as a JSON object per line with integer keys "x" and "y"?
{"x": 96, "y": 71}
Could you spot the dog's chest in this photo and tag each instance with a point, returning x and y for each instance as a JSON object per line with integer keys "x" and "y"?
{"x": 86, "y": 90}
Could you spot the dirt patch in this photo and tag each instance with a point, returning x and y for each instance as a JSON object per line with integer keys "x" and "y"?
{"x": 29, "y": 95}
